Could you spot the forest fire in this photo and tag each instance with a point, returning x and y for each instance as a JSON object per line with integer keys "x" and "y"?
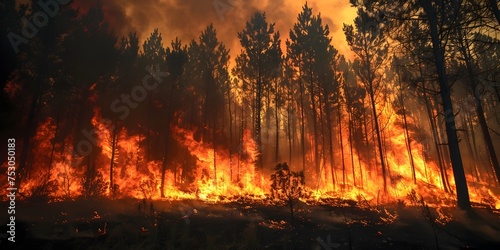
{"x": 116, "y": 139}
{"x": 214, "y": 176}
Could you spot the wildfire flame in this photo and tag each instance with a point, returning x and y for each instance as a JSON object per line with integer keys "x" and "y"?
{"x": 217, "y": 176}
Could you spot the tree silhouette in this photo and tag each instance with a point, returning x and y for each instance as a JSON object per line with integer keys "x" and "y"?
{"x": 208, "y": 65}
{"x": 370, "y": 47}
{"x": 311, "y": 52}
{"x": 93, "y": 47}
{"x": 176, "y": 58}
{"x": 258, "y": 65}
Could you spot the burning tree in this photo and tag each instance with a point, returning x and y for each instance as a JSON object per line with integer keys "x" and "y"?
{"x": 90, "y": 107}
{"x": 287, "y": 186}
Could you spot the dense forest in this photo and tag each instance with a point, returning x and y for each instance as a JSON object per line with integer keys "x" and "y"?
{"x": 96, "y": 114}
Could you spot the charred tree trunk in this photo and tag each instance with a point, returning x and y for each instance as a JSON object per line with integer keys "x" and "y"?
{"x": 242, "y": 132}
{"x": 367, "y": 140}
{"x": 407, "y": 135}
{"x": 277, "y": 119}
{"x": 476, "y": 153}
{"x": 330, "y": 142}
{"x": 315, "y": 122}
{"x": 472, "y": 163}
{"x": 473, "y": 144}
{"x": 378, "y": 133}
{"x": 451, "y": 132}
{"x": 467, "y": 57}
{"x": 323, "y": 149}
{"x": 339, "y": 113}
{"x": 487, "y": 137}
{"x": 350, "y": 124}
{"x": 214, "y": 145}
{"x": 289, "y": 130}
{"x": 230, "y": 134}
{"x": 437, "y": 142}
{"x": 302, "y": 124}
{"x": 257, "y": 121}
{"x": 360, "y": 169}
{"x": 114, "y": 143}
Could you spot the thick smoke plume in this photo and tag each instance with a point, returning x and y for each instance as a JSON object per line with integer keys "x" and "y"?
{"x": 187, "y": 18}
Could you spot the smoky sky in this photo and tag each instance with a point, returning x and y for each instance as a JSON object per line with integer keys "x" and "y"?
{"x": 187, "y": 18}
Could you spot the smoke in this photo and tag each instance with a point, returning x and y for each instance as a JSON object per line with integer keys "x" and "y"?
{"x": 187, "y": 18}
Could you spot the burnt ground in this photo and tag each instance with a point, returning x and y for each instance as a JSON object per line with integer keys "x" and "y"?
{"x": 136, "y": 224}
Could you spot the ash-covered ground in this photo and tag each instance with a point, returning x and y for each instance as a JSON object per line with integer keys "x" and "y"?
{"x": 191, "y": 224}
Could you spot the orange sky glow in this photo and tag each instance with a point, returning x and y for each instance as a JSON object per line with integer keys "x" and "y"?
{"x": 187, "y": 18}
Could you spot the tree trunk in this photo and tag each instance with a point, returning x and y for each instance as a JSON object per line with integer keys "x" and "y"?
{"x": 451, "y": 132}
{"x": 315, "y": 122}
{"x": 330, "y": 142}
{"x": 467, "y": 57}
{"x": 350, "y": 124}
{"x": 487, "y": 137}
{"x": 437, "y": 144}
{"x": 339, "y": 113}
{"x": 407, "y": 135}
{"x": 230, "y": 134}
{"x": 302, "y": 124}
{"x": 367, "y": 140}
{"x": 257, "y": 121}
{"x": 377, "y": 131}
{"x": 114, "y": 143}
{"x": 289, "y": 134}
{"x": 474, "y": 147}
{"x": 214, "y": 144}
{"x": 276, "y": 115}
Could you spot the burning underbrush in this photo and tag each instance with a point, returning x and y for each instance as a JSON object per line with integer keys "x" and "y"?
{"x": 48, "y": 190}
{"x": 116, "y": 167}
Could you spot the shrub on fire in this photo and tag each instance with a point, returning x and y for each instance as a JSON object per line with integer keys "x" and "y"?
{"x": 287, "y": 186}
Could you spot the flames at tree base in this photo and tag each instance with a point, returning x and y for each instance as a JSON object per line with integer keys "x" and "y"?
{"x": 212, "y": 173}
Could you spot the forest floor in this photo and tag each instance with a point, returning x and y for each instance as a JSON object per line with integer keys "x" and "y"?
{"x": 190, "y": 224}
